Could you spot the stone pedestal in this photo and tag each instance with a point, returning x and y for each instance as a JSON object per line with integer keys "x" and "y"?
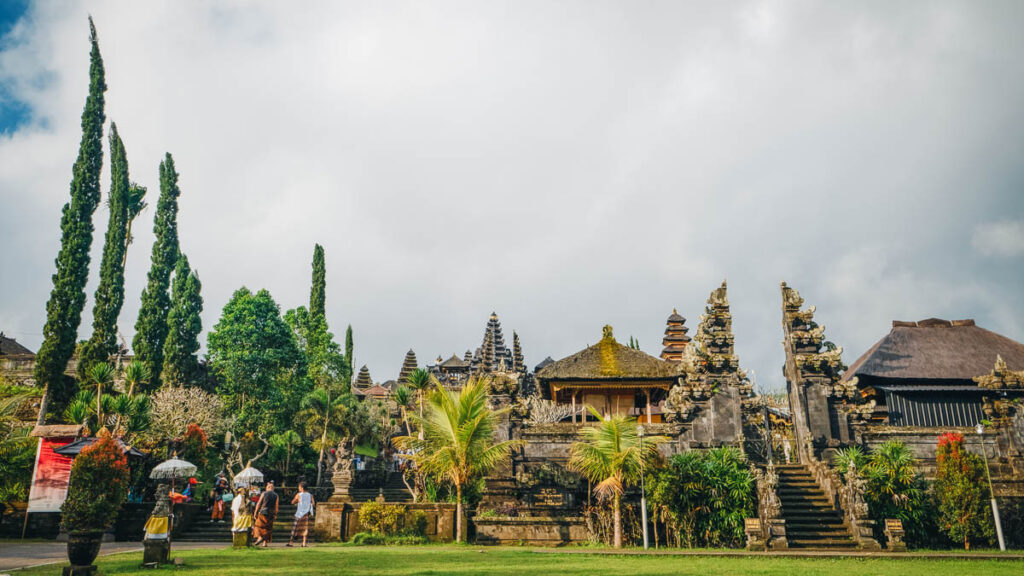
{"x": 241, "y": 539}
{"x": 777, "y": 534}
{"x": 156, "y": 551}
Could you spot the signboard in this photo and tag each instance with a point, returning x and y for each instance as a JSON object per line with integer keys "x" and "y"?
{"x": 549, "y": 497}
{"x": 752, "y": 525}
{"x": 893, "y": 525}
{"x": 49, "y": 477}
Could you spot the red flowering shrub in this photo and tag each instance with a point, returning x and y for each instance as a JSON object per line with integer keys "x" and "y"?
{"x": 97, "y": 488}
{"x": 961, "y": 491}
{"x": 195, "y": 443}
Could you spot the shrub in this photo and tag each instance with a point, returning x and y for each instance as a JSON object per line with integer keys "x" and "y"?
{"x": 707, "y": 495}
{"x": 97, "y": 488}
{"x": 962, "y": 492}
{"x": 392, "y": 519}
{"x": 374, "y": 539}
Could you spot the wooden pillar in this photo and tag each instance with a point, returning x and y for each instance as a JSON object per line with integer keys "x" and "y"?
{"x": 648, "y": 392}
{"x": 573, "y": 392}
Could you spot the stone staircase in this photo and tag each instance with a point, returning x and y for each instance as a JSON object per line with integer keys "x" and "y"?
{"x": 202, "y": 529}
{"x": 394, "y": 491}
{"x": 811, "y": 520}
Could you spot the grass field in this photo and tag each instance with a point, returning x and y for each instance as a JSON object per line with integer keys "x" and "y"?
{"x": 466, "y": 560}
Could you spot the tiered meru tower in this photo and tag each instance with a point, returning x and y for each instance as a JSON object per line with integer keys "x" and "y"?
{"x": 409, "y": 365}
{"x": 493, "y": 356}
{"x": 675, "y": 340}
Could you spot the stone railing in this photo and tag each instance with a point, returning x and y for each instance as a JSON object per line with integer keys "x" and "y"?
{"x": 848, "y": 497}
{"x": 769, "y": 511}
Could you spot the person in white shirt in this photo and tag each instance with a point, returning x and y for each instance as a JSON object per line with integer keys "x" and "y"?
{"x": 303, "y": 512}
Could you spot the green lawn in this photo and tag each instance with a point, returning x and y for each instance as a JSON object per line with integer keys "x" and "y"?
{"x": 448, "y": 559}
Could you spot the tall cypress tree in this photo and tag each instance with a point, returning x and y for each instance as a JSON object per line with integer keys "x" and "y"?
{"x": 318, "y": 291}
{"x": 348, "y": 351}
{"x": 151, "y": 327}
{"x": 110, "y": 292}
{"x": 64, "y": 309}
{"x": 184, "y": 325}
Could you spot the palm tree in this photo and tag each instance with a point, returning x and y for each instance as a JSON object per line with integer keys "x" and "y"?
{"x": 135, "y": 374}
{"x": 100, "y": 375}
{"x": 458, "y": 439}
{"x": 324, "y": 418}
{"x": 81, "y": 409}
{"x": 402, "y": 396}
{"x": 286, "y": 441}
{"x": 420, "y": 380}
{"x": 127, "y": 406}
{"x": 16, "y": 451}
{"x": 610, "y": 456}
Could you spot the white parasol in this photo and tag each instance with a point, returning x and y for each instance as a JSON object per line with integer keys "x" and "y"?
{"x": 173, "y": 469}
{"x": 248, "y": 476}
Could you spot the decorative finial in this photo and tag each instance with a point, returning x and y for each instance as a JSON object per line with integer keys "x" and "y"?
{"x": 606, "y": 333}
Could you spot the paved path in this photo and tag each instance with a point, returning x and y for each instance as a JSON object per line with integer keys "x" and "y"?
{"x": 16, "y": 554}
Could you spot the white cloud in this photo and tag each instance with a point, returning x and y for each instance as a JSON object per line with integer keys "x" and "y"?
{"x": 568, "y": 165}
{"x": 1003, "y": 238}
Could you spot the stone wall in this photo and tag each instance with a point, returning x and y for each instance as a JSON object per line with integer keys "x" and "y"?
{"x": 1007, "y": 468}
{"x": 340, "y": 521}
{"x": 531, "y": 530}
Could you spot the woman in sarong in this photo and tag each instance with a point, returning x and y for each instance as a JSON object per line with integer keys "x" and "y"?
{"x": 264, "y": 516}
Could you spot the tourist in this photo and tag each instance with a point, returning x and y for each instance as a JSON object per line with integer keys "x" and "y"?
{"x": 303, "y": 512}
{"x": 190, "y": 489}
{"x": 241, "y": 518}
{"x": 220, "y": 485}
{"x": 264, "y": 516}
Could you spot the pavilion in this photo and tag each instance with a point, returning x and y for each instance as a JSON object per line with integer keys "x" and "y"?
{"x": 612, "y": 378}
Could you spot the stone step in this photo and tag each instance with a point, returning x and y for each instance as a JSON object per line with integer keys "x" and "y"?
{"x": 836, "y": 544}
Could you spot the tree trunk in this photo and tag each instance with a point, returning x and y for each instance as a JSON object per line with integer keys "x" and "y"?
{"x": 99, "y": 408}
{"x": 618, "y": 521}
{"x": 458, "y": 512}
{"x": 43, "y": 404}
{"x": 420, "y": 394}
{"x": 320, "y": 461}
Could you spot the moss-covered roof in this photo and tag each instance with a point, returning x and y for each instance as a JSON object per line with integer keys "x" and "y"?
{"x": 608, "y": 360}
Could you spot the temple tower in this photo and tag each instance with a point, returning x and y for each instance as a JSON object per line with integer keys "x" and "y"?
{"x": 493, "y": 350}
{"x": 408, "y": 367}
{"x": 517, "y": 354}
{"x": 675, "y": 340}
{"x": 364, "y": 380}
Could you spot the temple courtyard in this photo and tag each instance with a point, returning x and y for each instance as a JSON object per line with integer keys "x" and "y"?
{"x": 453, "y": 559}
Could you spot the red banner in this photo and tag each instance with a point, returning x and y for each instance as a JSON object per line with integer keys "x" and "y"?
{"x": 50, "y": 476}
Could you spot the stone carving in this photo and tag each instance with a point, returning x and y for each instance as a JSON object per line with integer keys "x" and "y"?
{"x": 1001, "y": 377}
{"x": 342, "y": 476}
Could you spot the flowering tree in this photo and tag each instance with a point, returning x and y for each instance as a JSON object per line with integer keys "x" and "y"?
{"x": 173, "y": 409}
{"x": 961, "y": 491}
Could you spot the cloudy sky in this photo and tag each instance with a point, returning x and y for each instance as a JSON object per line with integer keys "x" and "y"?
{"x": 565, "y": 164}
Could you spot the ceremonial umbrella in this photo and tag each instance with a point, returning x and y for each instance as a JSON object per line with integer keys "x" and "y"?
{"x": 173, "y": 469}
{"x": 248, "y": 476}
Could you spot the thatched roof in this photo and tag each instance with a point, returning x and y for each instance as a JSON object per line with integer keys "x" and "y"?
{"x": 936, "y": 349}
{"x": 454, "y": 362}
{"x": 10, "y": 346}
{"x": 608, "y": 360}
{"x": 57, "y": 431}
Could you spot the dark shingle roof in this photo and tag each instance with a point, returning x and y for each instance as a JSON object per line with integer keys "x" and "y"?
{"x": 9, "y": 346}
{"x": 936, "y": 349}
{"x": 454, "y": 362}
{"x": 609, "y": 360}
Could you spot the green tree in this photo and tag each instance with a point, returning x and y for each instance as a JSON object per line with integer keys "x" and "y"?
{"x": 110, "y": 291}
{"x": 17, "y": 452}
{"x": 420, "y": 380}
{"x": 610, "y": 455}
{"x": 136, "y": 203}
{"x": 458, "y": 439}
{"x": 402, "y": 397}
{"x": 101, "y": 375}
{"x": 286, "y": 442}
{"x": 64, "y": 308}
{"x": 318, "y": 290}
{"x": 962, "y": 492}
{"x": 707, "y": 494}
{"x": 151, "y": 327}
{"x": 254, "y": 355}
{"x": 348, "y": 352}
{"x": 324, "y": 417}
{"x": 184, "y": 325}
